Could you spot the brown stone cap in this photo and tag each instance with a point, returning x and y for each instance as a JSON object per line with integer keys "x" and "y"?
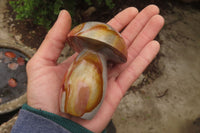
{"x": 99, "y": 37}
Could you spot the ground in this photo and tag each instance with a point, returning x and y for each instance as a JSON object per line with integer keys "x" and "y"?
{"x": 166, "y": 97}
{"x": 171, "y": 102}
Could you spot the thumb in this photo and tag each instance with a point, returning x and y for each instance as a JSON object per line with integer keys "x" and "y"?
{"x": 54, "y": 41}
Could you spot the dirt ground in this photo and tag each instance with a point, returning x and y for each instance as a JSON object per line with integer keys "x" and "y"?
{"x": 171, "y": 103}
{"x": 166, "y": 97}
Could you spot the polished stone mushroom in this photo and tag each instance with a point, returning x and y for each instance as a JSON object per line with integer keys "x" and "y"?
{"x": 86, "y": 80}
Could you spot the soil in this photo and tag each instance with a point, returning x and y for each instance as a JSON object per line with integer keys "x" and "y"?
{"x": 28, "y": 33}
{"x": 165, "y": 98}
{"x": 169, "y": 102}
{"x": 32, "y": 35}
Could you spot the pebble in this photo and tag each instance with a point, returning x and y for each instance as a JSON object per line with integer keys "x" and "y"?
{"x": 13, "y": 66}
{"x": 18, "y": 37}
{"x": 89, "y": 12}
{"x": 11, "y": 19}
{"x": 10, "y": 54}
{"x": 12, "y": 27}
{"x": 20, "y": 61}
{"x": 12, "y": 82}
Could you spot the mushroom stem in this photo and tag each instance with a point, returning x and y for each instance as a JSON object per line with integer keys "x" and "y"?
{"x": 85, "y": 85}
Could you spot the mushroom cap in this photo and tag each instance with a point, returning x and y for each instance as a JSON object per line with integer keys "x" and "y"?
{"x": 99, "y": 37}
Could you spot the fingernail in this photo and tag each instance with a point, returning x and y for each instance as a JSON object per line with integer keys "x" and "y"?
{"x": 60, "y": 14}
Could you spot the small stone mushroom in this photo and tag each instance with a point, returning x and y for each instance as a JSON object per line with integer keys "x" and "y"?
{"x": 20, "y": 61}
{"x": 10, "y": 54}
{"x": 12, "y": 82}
{"x": 86, "y": 80}
{"x": 13, "y": 66}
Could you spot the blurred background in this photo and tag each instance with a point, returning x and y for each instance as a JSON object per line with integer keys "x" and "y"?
{"x": 165, "y": 98}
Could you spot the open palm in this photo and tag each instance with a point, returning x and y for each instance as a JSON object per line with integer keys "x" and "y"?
{"x": 45, "y": 76}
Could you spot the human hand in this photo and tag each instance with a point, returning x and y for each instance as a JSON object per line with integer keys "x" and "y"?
{"x": 45, "y": 76}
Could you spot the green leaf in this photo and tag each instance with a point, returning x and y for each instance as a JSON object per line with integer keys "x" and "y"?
{"x": 89, "y": 2}
{"x": 110, "y": 4}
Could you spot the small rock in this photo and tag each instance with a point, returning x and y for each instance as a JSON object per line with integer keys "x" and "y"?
{"x": 20, "y": 61}
{"x": 89, "y": 12}
{"x": 10, "y": 54}
{"x": 33, "y": 32}
{"x": 12, "y": 26}
{"x": 34, "y": 49}
{"x": 13, "y": 66}
{"x": 18, "y": 37}
{"x": 11, "y": 19}
{"x": 12, "y": 82}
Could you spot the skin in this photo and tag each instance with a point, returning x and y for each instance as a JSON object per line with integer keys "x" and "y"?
{"x": 45, "y": 76}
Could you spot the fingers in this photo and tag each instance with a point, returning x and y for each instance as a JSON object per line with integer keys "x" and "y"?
{"x": 54, "y": 41}
{"x": 137, "y": 24}
{"x": 148, "y": 33}
{"x": 116, "y": 88}
{"x": 115, "y": 91}
{"x": 123, "y": 18}
{"x": 132, "y": 72}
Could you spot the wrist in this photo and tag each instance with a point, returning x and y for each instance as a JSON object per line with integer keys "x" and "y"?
{"x": 43, "y": 106}
{"x": 66, "y": 123}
